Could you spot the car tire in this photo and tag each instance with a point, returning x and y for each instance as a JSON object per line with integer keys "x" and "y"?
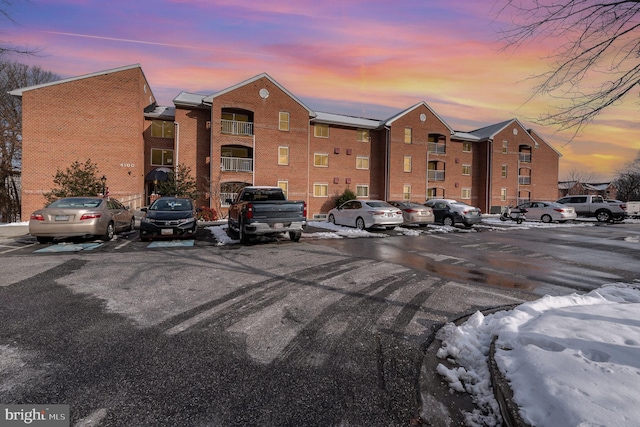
{"x": 132, "y": 224}
{"x": 109, "y": 234}
{"x": 332, "y": 219}
{"x": 360, "y": 223}
{"x": 519, "y": 221}
{"x": 44, "y": 239}
{"x": 244, "y": 237}
{"x": 448, "y": 221}
{"x": 422, "y": 225}
{"x": 546, "y": 218}
{"x": 295, "y": 235}
{"x": 603, "y": 216}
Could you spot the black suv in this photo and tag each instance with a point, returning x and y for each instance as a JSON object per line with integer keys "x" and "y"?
{"x": 169, "y": 217}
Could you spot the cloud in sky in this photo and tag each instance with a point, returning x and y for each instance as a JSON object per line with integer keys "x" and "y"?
{"x": 364, "y": 57}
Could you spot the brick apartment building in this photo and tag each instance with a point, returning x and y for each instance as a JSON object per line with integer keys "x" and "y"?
{"x": 257, "y": 132}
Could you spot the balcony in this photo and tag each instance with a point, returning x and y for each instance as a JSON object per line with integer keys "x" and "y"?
{"x": 234, "y": 127}
{"x": 524, "y": 180}
{"x": 226, "y": 196}
{"x": 525, "y": 157}
{"x": 435, "y": 175}
{"x": 236, "y": 164}
{"x": 437, "y": 148}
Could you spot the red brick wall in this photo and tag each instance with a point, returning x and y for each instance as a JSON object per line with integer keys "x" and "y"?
{"x": 98, "y": 118}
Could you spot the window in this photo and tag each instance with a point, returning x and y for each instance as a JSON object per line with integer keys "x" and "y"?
{"x": 407, "y": 163}
{"x": 407, "y": 135}
{"x": 406, "y": 192}
{"x": 362, "y": 162}
{"x": 363, "y": 135}
{"x": 283, "y": 155}
{"x": 362, "y": 190}
{"x": 320, "y": 190}
{"x": 161, "y": 157}
{"x": 466, "y": 147}
{"x": 466, "y": 169}
{"x": 283, "y": 121}
{"x": 321, "y": 160}
{"x": 321, "y": 131}
{"x": 162, "y": 129}
{"x": 503, "y": 194}
{"x": 504, "y": 171}
{"x": 285, "y": 187}
{"x": 466, "y": 193}
{"x": 505, "y": 147}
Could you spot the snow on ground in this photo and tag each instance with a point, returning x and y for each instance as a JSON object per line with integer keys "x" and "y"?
{"x": 572, "y": 360}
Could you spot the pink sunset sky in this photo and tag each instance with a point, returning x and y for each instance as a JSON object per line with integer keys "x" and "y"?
{"x": 370, "y": 58}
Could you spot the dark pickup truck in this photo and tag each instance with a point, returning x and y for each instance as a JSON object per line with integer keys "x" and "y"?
{"x": 265, "y": 211}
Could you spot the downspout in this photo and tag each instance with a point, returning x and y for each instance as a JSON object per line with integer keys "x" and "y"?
{"x": 253, "y": 159}
{"x": 309, "y": 188}
{"x": 387, "y": 155}
{"x": 177, "y": 144}
{"x": 489, "y": 175}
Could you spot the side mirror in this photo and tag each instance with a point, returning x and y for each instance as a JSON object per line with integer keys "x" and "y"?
{"x": 143, "y": 209}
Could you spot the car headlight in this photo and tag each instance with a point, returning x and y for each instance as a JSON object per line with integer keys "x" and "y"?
{"x": 186, "y": 220}
{"x": 147, "y": 220}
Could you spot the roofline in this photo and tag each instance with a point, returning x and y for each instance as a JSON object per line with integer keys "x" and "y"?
{"x": 390, "y": 120}
{"x": 18, "y": 92}
{"x": 209, "y": 99}
{"x": 530, "y": 131}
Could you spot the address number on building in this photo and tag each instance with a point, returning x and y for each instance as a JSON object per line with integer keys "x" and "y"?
{"x": 127, "y": 165}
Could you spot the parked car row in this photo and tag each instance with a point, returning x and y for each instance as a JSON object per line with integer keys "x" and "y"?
{"x": 102, "y": 218}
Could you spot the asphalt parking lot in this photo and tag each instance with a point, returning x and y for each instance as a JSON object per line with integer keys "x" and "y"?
{"x": 327, "y": 331}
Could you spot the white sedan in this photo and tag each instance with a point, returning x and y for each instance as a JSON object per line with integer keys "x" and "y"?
{"x": 364, "y": 214}
{"x": 548, "y": 211}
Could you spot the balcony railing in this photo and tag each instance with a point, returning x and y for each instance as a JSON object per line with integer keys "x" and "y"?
{"x": 226, "y": 196}
{"x": 437, "y": 148}
{"x": 435, "y": 175}
{"x": 236, "y": 164}
{"x": 233, "y": 127}
{"x": 524, "y": 180}
{"x": 525, "y": 157}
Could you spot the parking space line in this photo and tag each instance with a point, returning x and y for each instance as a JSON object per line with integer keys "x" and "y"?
{"x": 15, "y": 248}
{"x": 122, "y": 245}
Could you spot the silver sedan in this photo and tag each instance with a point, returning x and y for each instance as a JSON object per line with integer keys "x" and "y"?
{"x": 80, "y": 216}
{"x": 414, "y": 213}
{"x": 364, "y": 214}
{"x": 548, "y": 211}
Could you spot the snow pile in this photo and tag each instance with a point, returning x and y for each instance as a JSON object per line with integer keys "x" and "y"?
{"x": 570, "y": 360}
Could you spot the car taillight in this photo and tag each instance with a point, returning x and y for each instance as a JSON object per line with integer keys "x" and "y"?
{"x": 90, "y": 215}
{"x": 559, "y": 210}
{"x": 375, "y": 212}
{"x": 411, "y": 210}
{"x": 37, "y": 217}
{"x": 465, "y": 212}
{"x": 249, "y": 212}
{"x": 304, "y": 209}
{"x": 624, "y": 207}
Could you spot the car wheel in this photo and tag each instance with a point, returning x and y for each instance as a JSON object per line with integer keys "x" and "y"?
{"x": 43, "y": 239}
{"x": 360, "y": 223}
{"x": 422, "y": 225}
{"x": 132, "y": 224}
{"x": 519, "y": 221}
{"x": 603, "y": 216}
{"x": 244, "y": 237}
{"x": 546, "y": 218}
{"x": 109, "y": 234}
{"x": 332, "y": 219}
{"x": 295, "y": 235}
{"x": 448, "y": 221}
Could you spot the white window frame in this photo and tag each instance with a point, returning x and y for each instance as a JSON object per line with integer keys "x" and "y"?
{"x": 284, "y": 185}
{"x": 283, "y": 125}
{"x": 362, "y": 191}
{"x": 503, "y": 194}
{"x": 167, "y": 157}
{"x": 505, "y": 147}
{"x": 404, "y": 165}
{"x": 321, "y": 156}
{"x": 318, "y": 186}
{"x": 408, "y": 135}
{"x": 504, "y": 171}
{"x": 466, "y": 147}
{"x": 360, "y": 160}
{"x": 465, "y": 194}
{"x": 166, "y": 129}
{"x": 280, "y": 155}
{"x": 363, "y": 135}
{"x": 468, "y": 169}
{"x": 317, "y": 130}
{"x": 406, "y": 192}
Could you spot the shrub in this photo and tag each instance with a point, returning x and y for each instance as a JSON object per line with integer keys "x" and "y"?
{"x": 207, "y": 214}
{"x": 345, "y": 197}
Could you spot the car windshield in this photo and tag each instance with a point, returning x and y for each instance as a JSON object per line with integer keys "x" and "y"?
{"x": 76, "y": 203}
{"x": 263, "y": 194}
{"x": 412, "y": 205}
{"x": 171, "y": 205}
{"x": 375, "y": 204}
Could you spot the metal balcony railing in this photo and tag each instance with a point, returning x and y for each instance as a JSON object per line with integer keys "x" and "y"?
{"x": 236, "y": 164}
{"x": 524, "y": 180}
{"x": 525, "y": 157}
{"x": 435, "y": 175}
{"x": 226, "y": 196}
{"x": 233, "y": 127}
{"x": 437, "y": 148}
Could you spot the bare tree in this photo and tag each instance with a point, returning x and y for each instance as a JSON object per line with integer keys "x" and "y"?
{"x": 12, "y": 76}
{"x": 8, "y": 48}
{"x": 628, "y": 181}
{"x": 597, "y": 62}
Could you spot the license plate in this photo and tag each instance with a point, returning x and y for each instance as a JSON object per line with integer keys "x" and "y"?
{"x": 278, "y": 225}
{"x": 62, "y": 217}
{"x": 166, "y": 231}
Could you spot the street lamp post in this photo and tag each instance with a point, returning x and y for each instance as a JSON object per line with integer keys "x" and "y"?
{"x": 103, "y": 180}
